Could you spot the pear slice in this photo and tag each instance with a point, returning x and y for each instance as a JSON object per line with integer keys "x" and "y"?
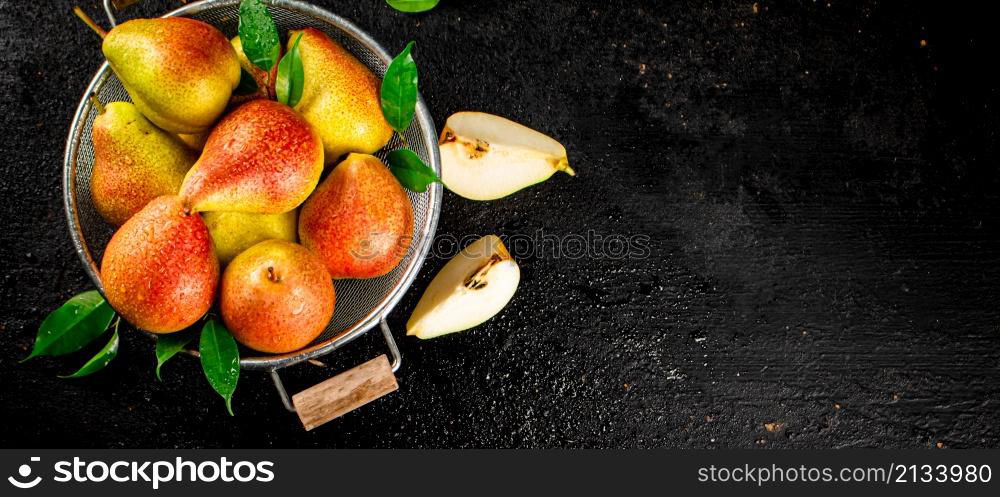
{"x": 471, "y": 288}
{"x": 485, "y": 157}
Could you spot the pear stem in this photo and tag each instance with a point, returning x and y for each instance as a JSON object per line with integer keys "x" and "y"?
{"x": 97, "y": 104}
{"x": 271, "y": 276}
{"x": 89, "y": 22}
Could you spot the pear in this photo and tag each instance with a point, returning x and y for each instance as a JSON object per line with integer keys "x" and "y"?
{"x": 234, "y": 232}
{"x": 340, "y": 97}
{"x": 134, "y": 162}
{"x": 276, "y": 297}
{"x": 265, "y": 89}
{"x": 179, "y": 72}
{"x": 261, "y": 158}
{"x": 485, "y": 157}
{"x": 194, "y": 141}
{"x": 471, "y": 288}
{"x": 159, "y": 270}
{"x": 359, "y": 221}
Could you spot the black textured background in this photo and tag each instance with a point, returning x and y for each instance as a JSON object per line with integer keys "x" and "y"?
{"x": 818, "y": 182}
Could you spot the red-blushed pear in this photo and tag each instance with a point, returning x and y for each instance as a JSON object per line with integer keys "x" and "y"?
{"x": 261, "y": 158}
{"x": 340, "y": 97}
{"x": 359, "y": 220}
{"x": 234, "y": 232}
{"x": 134, "y": 162}
{"x": 179, "y": 72}
{"x": 159, "y": 270}
{"x": 276, "y": 297}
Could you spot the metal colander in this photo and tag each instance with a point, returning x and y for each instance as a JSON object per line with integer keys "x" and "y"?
{"x": 361, "y": 304}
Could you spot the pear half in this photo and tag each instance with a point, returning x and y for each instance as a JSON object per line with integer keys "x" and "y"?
{"x": 485, "y": 157}
{"x": 471, "y": 288}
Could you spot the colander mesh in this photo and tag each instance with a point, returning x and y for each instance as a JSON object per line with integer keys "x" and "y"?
{"x": 357, "y": 300}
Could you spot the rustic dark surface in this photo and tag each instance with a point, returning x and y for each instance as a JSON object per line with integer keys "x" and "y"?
{"x": 817, "y": 181}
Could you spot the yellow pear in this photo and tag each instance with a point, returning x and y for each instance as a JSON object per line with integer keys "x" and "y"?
{"x": 234, "y": 232}
{"x": 340, "y": 97}
{"x": 134, "y": 162}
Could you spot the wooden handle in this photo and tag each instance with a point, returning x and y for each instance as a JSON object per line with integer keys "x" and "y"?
{"x": 345, "y": 392}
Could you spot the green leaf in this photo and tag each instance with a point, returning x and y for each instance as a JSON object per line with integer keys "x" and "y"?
{"x": 101, "y": 358}
{"x": 288, "y": 84}
{"x": 412, "y": 6}
{"x": 73, "y": 325}
{"x": 399, "y": 90}
{"x": 247, "y": 86}
{"x": 259, "y": 34}
{"x": 168, "y": 346}
{"x": 411, "y": 171}
{"x": 220, "y": 359}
